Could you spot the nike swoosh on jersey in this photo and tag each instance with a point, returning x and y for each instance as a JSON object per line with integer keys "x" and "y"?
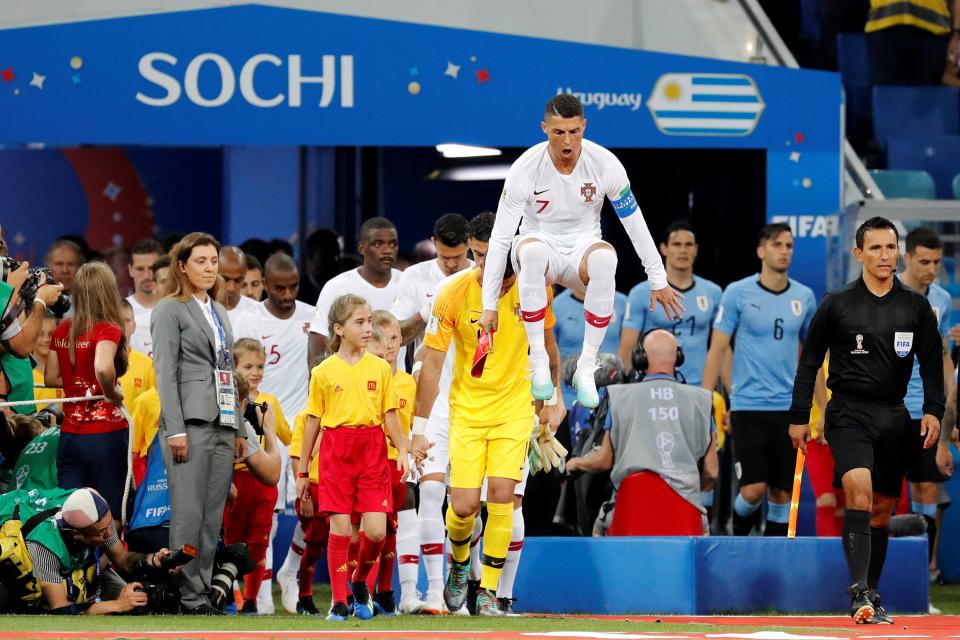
{"x": 265, "y": 337}
{"x": 536, "y": 193}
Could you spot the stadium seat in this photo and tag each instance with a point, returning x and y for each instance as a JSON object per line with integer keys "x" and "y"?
{"x": 904, "y": 184}
{"x": 937, "y": 155}
{"x": 855, "y": 74}
{"x": 647, "y": 506}
{"x": 912, "y": 110}
{"x": 955, "y": 184}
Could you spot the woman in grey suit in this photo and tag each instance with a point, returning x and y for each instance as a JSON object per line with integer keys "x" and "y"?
{"x": 198, "y": 420}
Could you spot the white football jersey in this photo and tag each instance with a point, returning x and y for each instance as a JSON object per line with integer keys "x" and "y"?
{"x": 141, "y": 339}
{"x": 379, "y": 298}
{"x": 416, "y": 289}
{"x": 246, "y": 304}
{"x": 285, "y": 374}
{"x": 418, "y": 286}
{"x": 566, "y": 208}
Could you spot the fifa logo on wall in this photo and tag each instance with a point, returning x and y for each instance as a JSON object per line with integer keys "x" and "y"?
{"x": 162, "y": 70}
{"x": 705, "y": 104}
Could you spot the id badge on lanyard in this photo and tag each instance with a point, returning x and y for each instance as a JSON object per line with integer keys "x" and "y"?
{"x": 223, "y": 377}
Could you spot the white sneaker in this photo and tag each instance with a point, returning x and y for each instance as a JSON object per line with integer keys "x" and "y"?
{"x": 934, "y": 611}
{"x": 266, "y": 607}
{"x": 410, "y": 605}
{"x": 462, "y": 611}
{"x": 289, "y": 591}
{"x": 433, "y": 606}
{"x": 586, "y": 386}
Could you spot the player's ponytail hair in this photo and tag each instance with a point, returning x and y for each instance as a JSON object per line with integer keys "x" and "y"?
{"x": 340, "y": 311}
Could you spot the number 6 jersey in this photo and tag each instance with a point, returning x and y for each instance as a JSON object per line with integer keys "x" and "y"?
{"x": 768, "y": 328}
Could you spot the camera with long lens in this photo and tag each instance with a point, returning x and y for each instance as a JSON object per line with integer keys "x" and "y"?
{"x": 250, "y": 414}
{"x": 232, "y": 561}
{"x": 163, "y": 597}
{"x": 28, "y": 290}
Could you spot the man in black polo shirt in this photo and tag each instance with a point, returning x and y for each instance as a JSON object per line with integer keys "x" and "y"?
{"x": 872, "y": 328}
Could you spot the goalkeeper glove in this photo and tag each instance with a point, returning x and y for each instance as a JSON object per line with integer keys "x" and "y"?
{"x": 550, "y": 452}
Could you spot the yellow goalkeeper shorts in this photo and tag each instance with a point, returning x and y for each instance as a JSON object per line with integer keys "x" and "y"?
{"x": 497, "y": 451}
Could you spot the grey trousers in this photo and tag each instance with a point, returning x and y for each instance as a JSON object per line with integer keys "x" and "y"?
{"x": 198, "y": 493}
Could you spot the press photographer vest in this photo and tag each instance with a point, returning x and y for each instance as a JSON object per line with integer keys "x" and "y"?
{"x": 36, "y": 466}
{"x": 78, "y": 569}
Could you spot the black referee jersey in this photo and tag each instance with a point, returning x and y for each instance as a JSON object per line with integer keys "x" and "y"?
{"x": 872, "y": 341}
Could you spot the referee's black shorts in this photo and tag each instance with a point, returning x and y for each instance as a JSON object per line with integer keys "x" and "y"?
{"x": 868, "y": 435}
{"x": 762, "y": 449}
{"x": 921, "y": 463}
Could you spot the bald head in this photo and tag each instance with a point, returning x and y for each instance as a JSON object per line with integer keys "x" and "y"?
{"x": 233, "y": 268}
{"x": 279, "y": 263}
{"x": 282, "y": 283}
{"x": 661, "y": 349}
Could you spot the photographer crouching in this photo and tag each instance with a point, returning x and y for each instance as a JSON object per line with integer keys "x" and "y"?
{"x": 62, "y": 568}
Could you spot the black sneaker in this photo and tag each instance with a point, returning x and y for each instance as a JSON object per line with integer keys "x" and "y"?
{"x": 505, "y": 605}
{"x": 861, "y": 608}
{"x": 338, "y": 612}
{"x": 487, "y": 604}
{"x": 880, "y": 616}
{"x": 455, "y": 589}
{"x": 204, "y": 610}
{"x": 388, "y": 606}
{"x": 307, "y": 607}
{"x": 473, "y": 588}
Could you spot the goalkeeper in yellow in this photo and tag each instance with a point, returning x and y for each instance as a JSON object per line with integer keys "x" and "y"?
{"x": 491, "y": 416}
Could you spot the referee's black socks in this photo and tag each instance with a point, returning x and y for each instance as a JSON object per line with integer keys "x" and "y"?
{"x": 857, "y": 545}
{"x": 879, "y": 539}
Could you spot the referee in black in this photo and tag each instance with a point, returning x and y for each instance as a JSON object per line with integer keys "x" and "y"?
{"x": 872, "y": 329}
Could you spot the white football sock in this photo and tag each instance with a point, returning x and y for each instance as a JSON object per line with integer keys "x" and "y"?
{"x": 509, "y": 573}
{"x": 408, "y": 552}
{"x": 432, "y": 532}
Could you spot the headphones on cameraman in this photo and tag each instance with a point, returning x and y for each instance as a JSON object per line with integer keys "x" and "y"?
{"x": 639, "y": 356}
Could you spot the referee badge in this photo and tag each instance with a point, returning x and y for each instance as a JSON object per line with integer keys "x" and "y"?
{"x": 903, "y": 343}
{"x": 702, "y": 303}
{"x": 797, "y": 307}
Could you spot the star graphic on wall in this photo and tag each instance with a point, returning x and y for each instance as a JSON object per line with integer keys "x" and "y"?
{"x": 37, "y": 80}
{"x": 794, "y": 156}
{"x": 112, "y": 191}
{"x": 19, "y": 239}
{"x": 453, "y": 70}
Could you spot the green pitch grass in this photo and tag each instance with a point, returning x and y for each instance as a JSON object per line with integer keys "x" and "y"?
{"x": 946, "y": 597}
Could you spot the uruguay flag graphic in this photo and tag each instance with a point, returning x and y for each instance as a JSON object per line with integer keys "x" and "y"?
{"x": 705, "y": 104}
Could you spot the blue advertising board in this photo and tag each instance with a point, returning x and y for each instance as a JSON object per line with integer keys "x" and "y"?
{"x": 257, "y": 75}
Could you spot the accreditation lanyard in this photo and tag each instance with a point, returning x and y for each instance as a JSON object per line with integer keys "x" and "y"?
{"x": 223, "y": 377}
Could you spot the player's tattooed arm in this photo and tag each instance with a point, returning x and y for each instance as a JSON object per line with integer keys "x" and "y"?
{"x": 411, "y": 328}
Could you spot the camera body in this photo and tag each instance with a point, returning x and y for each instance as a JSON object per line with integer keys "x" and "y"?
{"x": 163, "y": 596}
{"x": 28, "y": 290}
{"x": 250, "y": 414}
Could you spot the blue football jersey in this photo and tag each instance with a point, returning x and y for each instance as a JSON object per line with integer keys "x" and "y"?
{"x": 569, "y": 330}
{"x": 940, "y": 301}
{"x": 693, "y": 331}
{"x": 767, "y": 329}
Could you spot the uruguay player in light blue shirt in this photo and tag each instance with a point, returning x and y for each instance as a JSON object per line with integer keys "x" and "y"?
{"x": 922, "y": 258}
{"x": 679, "y": 249}
{"x": 767, "y": 316}
{"x": 568, "y": 309}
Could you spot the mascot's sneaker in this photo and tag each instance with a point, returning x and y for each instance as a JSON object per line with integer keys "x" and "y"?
{"x": 586, "y": 386}
{"x": 338, "y": 613}
{"x": 289, "y": 591}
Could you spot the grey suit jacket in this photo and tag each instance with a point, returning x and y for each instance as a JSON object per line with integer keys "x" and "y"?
{"x": 185, "y": 360}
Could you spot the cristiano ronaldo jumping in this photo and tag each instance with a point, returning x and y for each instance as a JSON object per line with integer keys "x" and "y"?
{"x": 555, "y": 192}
